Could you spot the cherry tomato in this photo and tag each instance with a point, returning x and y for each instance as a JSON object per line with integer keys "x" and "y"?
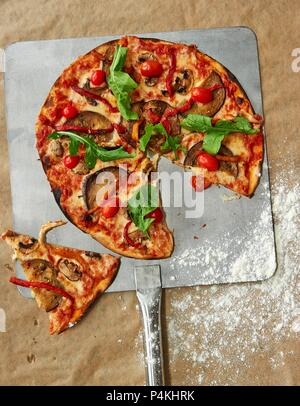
{"x": 202, "y": 95}
{"x": 111, "y": 208}
{"x": 151, "y": 69}
{"x": 98, "y": 77}
{"x": 156, "y": 214}
{"x": 198, "y": 184}
{"x": 70, "y": 111}
{"x": 207, "y": 161}
{"x": 71, "y": 161}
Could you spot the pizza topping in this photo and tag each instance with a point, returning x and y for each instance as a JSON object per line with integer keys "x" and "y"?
{"x": 55, "y": 148}
{"x": 81, "y": 168}
{"x": 91, "y": 95}
{"x": 209, "y": 97}
{"x": 228, "y": 162}
{"x": 111, "y": 208}
{"x": 183, "y": 81}
{"x": 40, "y": 285}
{"x": 144, "y": 201}
{"x": 214, "y": 134}
{"x": 71, "y": 161}
{"x": 92, "y": 149}
{"x": 199, "y": 183}
{"x": 70, "y": 111}
{"x": 129, "y": 238}
{"x": 98, "y": 77}
{"x": 151, "y": 69}
{"x": 102, "y": 185}
{"x": 172, "y": 69}
{"x": 191, "y": 156}
{"x": 121, "y": 84}
{"x": 70, "y": 270}
{"x": 156, "y": 214}
{"x": 89, "y": 122}
{"x": 28, "y": 246}
{"x": 207, "y": 161}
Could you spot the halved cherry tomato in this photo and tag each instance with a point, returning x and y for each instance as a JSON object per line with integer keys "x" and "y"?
{"x": 202, "y": 95}
{"x": 70, "y": 111}
{"x": 207, "y": 161}
{"x": 111, "y": 208}
{"x": 198, "y": 184}
{"x": 156, "y": 214}
{"x": 98, "y": 77}
{"x": 151, "y": 69}
{"x": 71, "y": 161}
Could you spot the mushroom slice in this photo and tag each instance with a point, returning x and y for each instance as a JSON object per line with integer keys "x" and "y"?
{"x": 211, "y": 108}
{"x": 183, "y": 81}
{"x": 231, "y": 168}
{"x": 42, "y": 271}
{"x": 70, "y": 270}
{"x": 192, "y": 154}
{"x": 101, "y": 184}
{"x": 27, "y": 247}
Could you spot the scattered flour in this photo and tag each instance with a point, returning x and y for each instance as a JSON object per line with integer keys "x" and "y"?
{"x": 220, "y": 327}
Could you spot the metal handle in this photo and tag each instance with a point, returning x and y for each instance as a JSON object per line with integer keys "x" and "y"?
{"x": 150, "y": 304}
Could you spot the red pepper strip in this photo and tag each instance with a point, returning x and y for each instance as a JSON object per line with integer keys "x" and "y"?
{"x": 171, "y": 72}
{"x": 128, "y": 239}
{"x": 215, "y": 87}
{"x": 83, "y": 129}
{"x": 40, "y": 285}
{"x": 165, "y": 122}
{"x": 86, "y": 93}
{"x": 120, "y": 128}
{"x": 153, "y": 117}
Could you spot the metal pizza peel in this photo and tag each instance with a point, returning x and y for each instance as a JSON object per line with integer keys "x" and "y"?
{"x": 231, "y": 240}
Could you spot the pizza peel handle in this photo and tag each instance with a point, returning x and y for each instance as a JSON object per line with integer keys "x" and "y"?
{"x": 148, "y": 290}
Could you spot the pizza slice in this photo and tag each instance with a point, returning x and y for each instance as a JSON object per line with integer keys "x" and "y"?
{"x": 64, "y": 281}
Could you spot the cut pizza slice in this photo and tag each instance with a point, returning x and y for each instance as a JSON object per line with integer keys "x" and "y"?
{"x": 64, "y": 281}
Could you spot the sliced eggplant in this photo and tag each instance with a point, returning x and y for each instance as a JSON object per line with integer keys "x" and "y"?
{"x": 41, "y": 270}
{"x": 101, "y": 183}
{"x": 94, "y": 121}
{"x": 70, "y": 270}
{"x": 90, "y": 120}
{"x": 211, "y": 108}
{"x": 55, "y": 149}
{"x": 231, "y": 168}
{"x": 183, "y": 81}
{"x": 192, "y": 154}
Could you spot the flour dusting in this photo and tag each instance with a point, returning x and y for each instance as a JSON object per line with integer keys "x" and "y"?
{"x": 215, "y": 329}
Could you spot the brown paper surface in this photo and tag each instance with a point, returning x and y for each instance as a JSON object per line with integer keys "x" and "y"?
{"x": 255, "y": 340}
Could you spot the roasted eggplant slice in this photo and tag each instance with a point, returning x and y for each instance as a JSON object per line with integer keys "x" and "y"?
{"x": 90, "y": 120}
{"x": 231, "y": 168}
{"x": 28, "y": 246}
{"x": 211, "y": 108}
{"x": 104, "y": 182}
{"x": 192, "y": 154}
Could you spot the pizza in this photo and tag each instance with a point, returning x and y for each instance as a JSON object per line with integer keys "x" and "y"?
{"x": 64, "y": 281}
{"x": 116, "y": 110}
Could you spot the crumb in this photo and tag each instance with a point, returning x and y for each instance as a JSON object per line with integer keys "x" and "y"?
{"x": 35, "y": 322}
{"x": 8, "y": 267}
{"x": 196, "y": 237}
{"x": 203, "y": 226}
{"x": 31, "y": 358}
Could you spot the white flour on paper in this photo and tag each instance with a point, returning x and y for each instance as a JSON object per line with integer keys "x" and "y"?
{"x": 221, "y": 326}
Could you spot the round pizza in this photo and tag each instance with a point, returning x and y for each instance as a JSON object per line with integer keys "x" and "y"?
{"x": 111, "y": 115}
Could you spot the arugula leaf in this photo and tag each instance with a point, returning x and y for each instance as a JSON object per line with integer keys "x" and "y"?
{"x": 144, "y": 201}
{"x": 215, "y": 134}
{"x": 151, "y": 129}
{"x": 92, "y": 149}
{"x": 172, "y": 143}
{"x": 121, "y": 84}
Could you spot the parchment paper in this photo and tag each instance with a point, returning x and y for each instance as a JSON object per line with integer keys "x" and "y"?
{"x": 106, "y": 347}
